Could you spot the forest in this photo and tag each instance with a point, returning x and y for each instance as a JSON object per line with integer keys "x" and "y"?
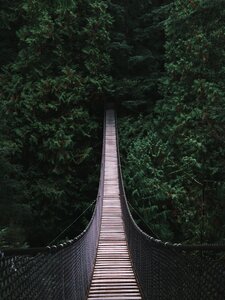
{"x": 162, "y": 63}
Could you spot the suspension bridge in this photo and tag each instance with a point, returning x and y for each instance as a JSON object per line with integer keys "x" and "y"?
{"x": 113, "y": 258}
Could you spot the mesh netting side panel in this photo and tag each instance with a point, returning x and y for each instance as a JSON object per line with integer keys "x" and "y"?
{"x": 168, "y": 273}
{"x": 57, "y": 274}
{"x": 61, "y": 272}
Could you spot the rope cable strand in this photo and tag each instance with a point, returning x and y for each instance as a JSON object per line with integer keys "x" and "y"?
{"x": 55, "y": 239}
{"x": 155, "y": 235}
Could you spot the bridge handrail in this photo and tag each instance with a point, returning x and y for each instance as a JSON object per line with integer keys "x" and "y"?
{"x": 54, "y": 248}
{"x": 180, "y": 246}
{"x": 165, "y": 270}
{"x": 57, "y": 272}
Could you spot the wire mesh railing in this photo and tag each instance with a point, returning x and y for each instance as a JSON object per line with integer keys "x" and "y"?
{"x": 168, "y": 271}
{"x": 60, "y": 272}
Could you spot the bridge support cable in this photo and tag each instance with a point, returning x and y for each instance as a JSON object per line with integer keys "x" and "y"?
{"x": 169, "y": 271}
{"x": 113, "y": 276}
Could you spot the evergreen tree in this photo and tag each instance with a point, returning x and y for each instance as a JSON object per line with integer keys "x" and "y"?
{"x": 137, "y": 49}
{"x": 166, "y": 60}
{"x": 9, "y": 20}
{"x": 192, "y": 115}
{"x": 173, "y": 166}
{"x": 60, "y": 72}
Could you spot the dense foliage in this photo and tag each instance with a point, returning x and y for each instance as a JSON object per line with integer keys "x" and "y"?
{"x": 48, "y": 95}
{"x": 136, "y": 51}
{"x": 162, "y": 61}
{"x": 174, "y": 163}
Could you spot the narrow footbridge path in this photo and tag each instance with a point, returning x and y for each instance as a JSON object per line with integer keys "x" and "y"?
{"x": 113, "y": 258}
{"x": 113, "y": 276}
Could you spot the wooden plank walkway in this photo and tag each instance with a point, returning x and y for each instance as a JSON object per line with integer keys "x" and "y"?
{"x": 113, "y": 276}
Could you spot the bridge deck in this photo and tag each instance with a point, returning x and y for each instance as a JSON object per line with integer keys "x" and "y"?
{"x": 113, "y": 276}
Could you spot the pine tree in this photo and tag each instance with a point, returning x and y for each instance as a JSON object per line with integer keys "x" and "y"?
{"x": 192, "y": 115}
{"x": 60, "y": 72}
{"x": 174, "y": 156}
{"x": 9, "y": 20}
{"x": 137, "y": 52}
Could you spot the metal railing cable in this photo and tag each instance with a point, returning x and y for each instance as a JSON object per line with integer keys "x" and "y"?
{"x": 61, "y": 272}
{"x": 169, "y": 271}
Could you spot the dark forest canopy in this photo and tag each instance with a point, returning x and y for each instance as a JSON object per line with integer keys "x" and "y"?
{"x": 162, "y": 62}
